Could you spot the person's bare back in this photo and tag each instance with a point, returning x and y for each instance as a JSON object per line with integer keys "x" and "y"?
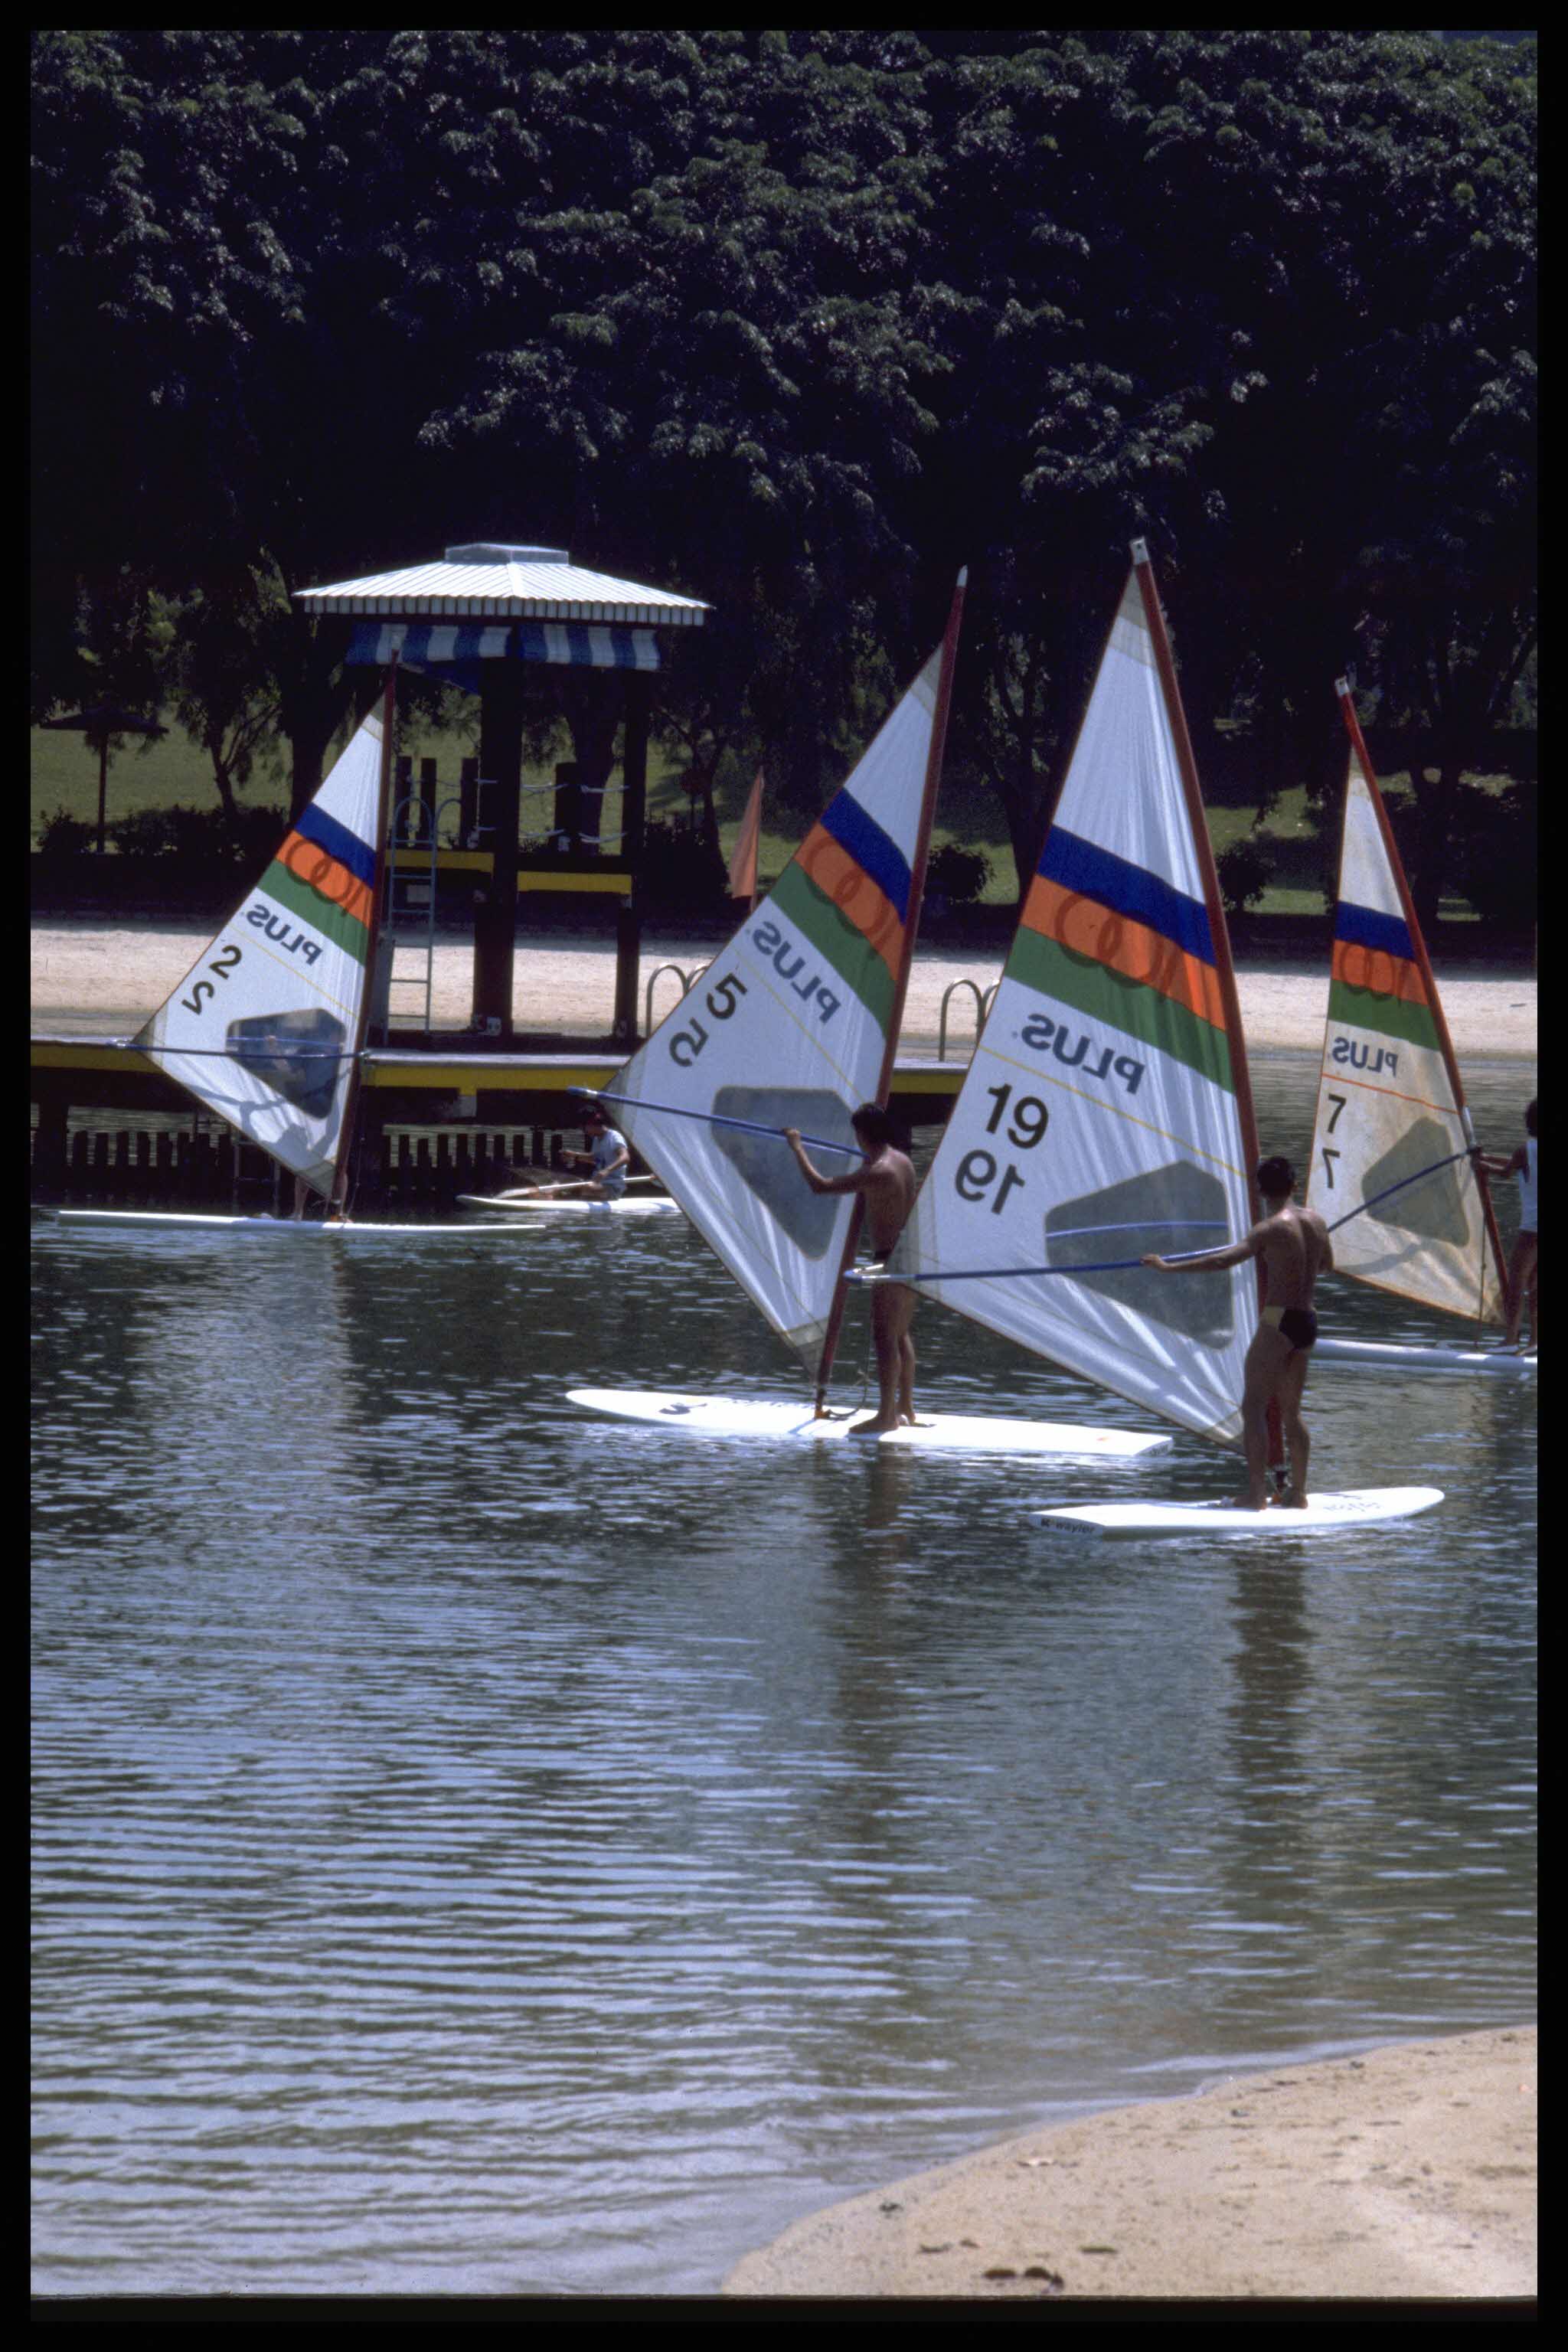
{"x": 1294, "y": 1246}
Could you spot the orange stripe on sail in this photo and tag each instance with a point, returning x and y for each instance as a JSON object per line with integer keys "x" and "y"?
{"x": 308, "y": 863}
{"x": 858, "y": 899}
{"x": 1084, "y": 927}
{"x": 1375, "y": 969}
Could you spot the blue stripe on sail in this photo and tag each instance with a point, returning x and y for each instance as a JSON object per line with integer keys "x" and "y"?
{"x": 874, "y": 852}
{"x": 1077, "y": 865}
{"x": 598, "y": 644}
{"x": 338, "y": 842}
{"x": 1364, "y": 926}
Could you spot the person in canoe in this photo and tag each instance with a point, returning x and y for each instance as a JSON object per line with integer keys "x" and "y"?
{"x": 885, "y": 1182}
{"x": 1295, "y": 1248}
{"x": 608, "y": 1155}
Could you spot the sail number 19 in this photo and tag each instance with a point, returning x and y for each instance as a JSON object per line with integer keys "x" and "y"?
{"x": 977, "y": 1174}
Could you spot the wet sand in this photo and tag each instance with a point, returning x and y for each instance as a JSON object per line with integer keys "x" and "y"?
{"x": 87, "y": 979}
{"x": 1406, "y": 2173}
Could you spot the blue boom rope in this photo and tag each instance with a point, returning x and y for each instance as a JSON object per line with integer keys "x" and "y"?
{"x": 1190, "y": 1260}
{"x": 715, "y": 1118}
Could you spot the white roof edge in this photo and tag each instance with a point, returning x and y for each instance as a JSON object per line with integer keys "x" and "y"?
{"x": 520, "y": 583}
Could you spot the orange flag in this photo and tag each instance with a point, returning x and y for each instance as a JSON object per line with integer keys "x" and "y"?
{"x": 743, "y": 861}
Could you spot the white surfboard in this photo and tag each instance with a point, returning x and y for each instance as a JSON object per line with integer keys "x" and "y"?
{"x": 1324, "y": 1515}
{"x": 941, "y": 1432}
{"x": 1497, "y": 1363}
{"x": 546, "y": 1205}
{"x": 286, "y": 1228}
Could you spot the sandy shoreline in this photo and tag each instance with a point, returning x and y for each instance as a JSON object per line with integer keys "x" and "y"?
{"x": 88, "y": 978}
{"x": 1409, "y": 2172}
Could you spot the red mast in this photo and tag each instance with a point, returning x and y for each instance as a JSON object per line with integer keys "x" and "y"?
{"x": 1225, "y": 970}
{"x": 337, "y": 1198}
{"x": 1418, "y": 945}
{"x": 901, "y": 988}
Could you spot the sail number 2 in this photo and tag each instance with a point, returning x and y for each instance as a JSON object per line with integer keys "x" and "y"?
{"x": 223, "y": 964}
{"x": 978, "y": 1172}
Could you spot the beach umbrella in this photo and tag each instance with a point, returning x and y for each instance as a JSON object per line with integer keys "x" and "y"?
{"x": 103, "y": 720}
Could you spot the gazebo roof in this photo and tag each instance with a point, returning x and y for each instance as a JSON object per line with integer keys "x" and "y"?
{"x": 495, "y": 583}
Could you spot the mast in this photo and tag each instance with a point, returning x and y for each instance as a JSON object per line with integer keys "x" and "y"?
{"x": 338, "y": 1197}
{"x": 1423, "y": 964}
{"x": 1225, "y": 968}
{"x": 901, "y": 988}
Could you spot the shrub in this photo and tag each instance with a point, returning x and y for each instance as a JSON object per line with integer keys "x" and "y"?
{"x": 201, "y": 837}
{"x": 680, "y": 873}
{"x": 64, "y": 836}
{"x": 959, "y": 876}
{"x": 1244, "y": 872}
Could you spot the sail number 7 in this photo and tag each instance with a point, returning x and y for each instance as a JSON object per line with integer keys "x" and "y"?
{"x": 1025, "y": 1123}
{"x": 1330, "y": 1155}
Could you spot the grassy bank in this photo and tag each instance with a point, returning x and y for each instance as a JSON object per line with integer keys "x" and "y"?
{"x": 172, "y": 772}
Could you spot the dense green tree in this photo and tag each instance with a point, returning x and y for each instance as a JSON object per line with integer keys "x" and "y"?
{"x": 799, "y": 321}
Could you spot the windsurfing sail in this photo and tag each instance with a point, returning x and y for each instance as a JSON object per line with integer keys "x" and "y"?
{"x": 794, "y": 1025}
{"x": 266, "y": 1027}
{"x": 1391, "y": 1168}
{"x": 743, "y": 859}
{"x": 1105, "y": 1112}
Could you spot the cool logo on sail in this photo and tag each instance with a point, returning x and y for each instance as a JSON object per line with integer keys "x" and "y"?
{"x": 828, "y": 864}
{"x": 721, "y": 1001}
{"x": 1378, "y": 1059}
{"x": 789, "y": 961}
{"x": 1040, "y": 1032}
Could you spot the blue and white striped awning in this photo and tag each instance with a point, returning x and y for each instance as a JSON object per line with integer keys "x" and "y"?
{"x": 495, "y": 601}
{"x": 458, "y": 648}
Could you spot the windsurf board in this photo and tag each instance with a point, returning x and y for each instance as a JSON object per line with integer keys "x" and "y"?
{"x": 941, "y": 1432}
{"x": 1503, "y": 1363}
{"x": 1324, "y": 1515}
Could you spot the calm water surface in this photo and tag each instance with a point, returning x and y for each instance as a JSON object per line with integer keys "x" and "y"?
{"x": 481, "y": 1849}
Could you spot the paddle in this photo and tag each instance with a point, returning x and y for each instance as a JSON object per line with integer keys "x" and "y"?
{"x": 573, "y": 1184}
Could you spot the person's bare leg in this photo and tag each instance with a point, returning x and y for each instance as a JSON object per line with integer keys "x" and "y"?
{"x": 1265, "y": 1361}
{"x": 887, "y": 1299}
{"x": 1298, "y": 1439}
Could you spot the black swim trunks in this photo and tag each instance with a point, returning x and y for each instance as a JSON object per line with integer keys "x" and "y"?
{"x": 1300, "y": 1326}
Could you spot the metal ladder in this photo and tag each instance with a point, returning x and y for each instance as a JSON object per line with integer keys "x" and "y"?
{"x": 411, "y": 901}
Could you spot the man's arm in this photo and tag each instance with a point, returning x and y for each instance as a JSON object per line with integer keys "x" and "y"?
{"x": 858, "y": 1181}
{"x": 1210, "y": 1261}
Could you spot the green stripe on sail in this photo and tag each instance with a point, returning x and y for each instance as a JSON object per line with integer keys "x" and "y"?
{"x": 1130, "y": 1005}
{"x": 1386, "y": 1016}
{"x": 841, "y": 942}
{"x": 344, "y": 931}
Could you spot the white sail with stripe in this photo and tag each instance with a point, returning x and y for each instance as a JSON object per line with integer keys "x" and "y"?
{"x": 794, "y": 1025}
{"x": 1105, "y": 1112}
{"x": 266, "y": 1026}
{"x": 1391, "y": 1169}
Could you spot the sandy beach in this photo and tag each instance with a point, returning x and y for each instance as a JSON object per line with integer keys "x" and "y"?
{"x": 87, "y": 979}
{"x": 1408, "y": 2173}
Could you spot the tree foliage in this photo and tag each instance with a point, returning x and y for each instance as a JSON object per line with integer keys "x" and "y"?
{"x": 800, "y": 321}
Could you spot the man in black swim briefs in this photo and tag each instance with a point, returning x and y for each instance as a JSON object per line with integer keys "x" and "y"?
{"x": 1295, "y": 1248}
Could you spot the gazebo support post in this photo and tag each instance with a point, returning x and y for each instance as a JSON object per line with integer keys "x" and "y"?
{"x": 633, "y": 804}
{"x": 502, "y": 698}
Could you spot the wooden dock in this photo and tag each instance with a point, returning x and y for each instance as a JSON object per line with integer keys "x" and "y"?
{"x": 435, "y": 1121}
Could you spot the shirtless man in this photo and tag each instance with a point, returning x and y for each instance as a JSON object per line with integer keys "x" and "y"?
{"x": 1295, "y": 1248}
{"x": 886, "y": 1182}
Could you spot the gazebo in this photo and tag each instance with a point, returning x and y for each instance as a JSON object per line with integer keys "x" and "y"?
{"x": 477, "y": 617}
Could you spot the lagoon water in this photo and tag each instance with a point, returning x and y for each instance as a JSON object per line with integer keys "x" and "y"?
{"x": 481, "y": 1849}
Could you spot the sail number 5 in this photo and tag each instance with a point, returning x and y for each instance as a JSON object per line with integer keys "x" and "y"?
{"x": 977, "y": 1172}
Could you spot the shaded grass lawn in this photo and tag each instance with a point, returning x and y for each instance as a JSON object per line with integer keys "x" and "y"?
{"x": 174, "y": 772}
